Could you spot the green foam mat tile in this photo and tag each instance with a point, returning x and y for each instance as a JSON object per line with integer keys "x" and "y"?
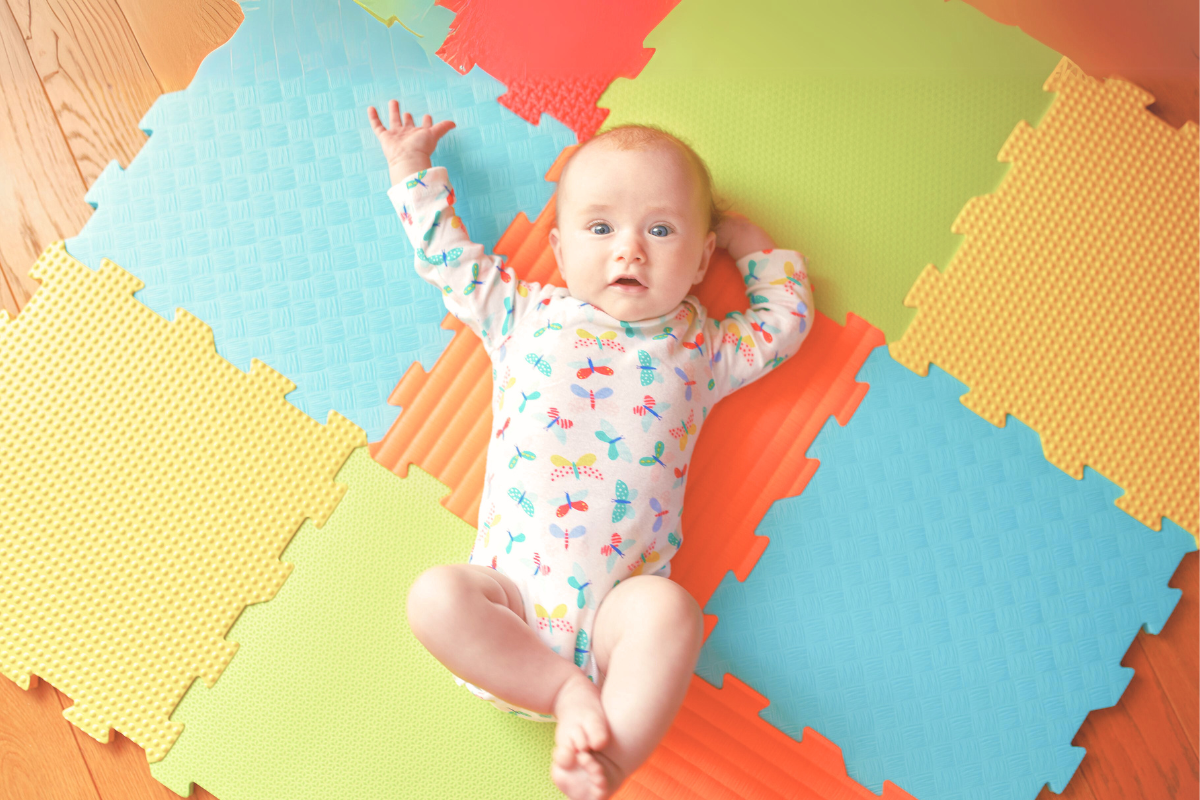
{"x": 331, "y": 696}
{"x": 854, "y": 132}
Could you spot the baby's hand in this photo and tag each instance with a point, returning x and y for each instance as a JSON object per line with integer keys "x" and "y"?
{"x": 407, "y": 147}
{"x": 739, "y": 236}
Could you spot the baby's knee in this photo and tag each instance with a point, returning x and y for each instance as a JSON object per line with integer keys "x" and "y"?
{"x": 674, "y": 609}
{"x": 432, "y": 596}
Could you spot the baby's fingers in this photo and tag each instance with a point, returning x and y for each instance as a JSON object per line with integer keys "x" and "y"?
{"x": 407, "y": 119}
{"x": 394, "y": 115}
{"x": 442, "y": 128}
{"x": 376, "y": 125}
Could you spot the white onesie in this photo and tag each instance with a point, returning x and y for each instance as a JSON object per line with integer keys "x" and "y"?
{"x": 595, "y": 418}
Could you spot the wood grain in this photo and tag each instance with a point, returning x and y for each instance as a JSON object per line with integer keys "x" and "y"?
{"x": 1175, "y": 652}
{"x": 119, "y": 768}
{"x": 93, "y": 71}
{"x": 175, "y": 38}
{"x": 8, "y": 301}
{"x": 39, "y": 759}
{"x": 41, "y": 188}
{"x": 1138, "y": 747}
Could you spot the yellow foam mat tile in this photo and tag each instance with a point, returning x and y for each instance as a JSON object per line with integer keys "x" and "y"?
{"x": 1072, "y": 303}
{"x": 130, "y": 538}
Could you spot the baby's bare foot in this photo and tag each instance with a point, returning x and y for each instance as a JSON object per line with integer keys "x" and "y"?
{"x": 581, "y": 722}
{"x": 594, "y": 776}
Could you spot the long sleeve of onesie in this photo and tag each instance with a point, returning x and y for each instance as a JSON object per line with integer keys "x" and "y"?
{"x": 477, "y": 287}
{"x": 746, "y": 345}
{"x": 594, "y": 419}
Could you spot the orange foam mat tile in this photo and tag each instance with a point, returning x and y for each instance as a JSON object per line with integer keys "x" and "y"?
{"x": 149, "y": 488}
{"x": 719, "y": 747}
{"x": 1073, "y": 303}
{"x": 751, "y": 455}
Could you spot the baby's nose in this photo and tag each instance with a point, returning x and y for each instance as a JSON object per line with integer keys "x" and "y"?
{"x": 630, "y": 249}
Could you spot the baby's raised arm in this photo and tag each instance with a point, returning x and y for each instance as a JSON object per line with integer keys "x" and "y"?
{"x": 745, "y": 346}
{"x": 476, "y": 287}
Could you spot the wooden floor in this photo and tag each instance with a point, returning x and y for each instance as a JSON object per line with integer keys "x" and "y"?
{"x": 77, "y": 75}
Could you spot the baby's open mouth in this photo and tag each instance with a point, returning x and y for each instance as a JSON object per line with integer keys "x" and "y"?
{"x": 627, "y": 282}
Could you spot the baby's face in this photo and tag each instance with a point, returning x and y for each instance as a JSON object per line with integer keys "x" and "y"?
{"x": 632, "y": 234}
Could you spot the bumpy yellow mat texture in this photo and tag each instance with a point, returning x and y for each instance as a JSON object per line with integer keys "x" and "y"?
{"x": 149, "y": 487}
{"x": 1073, "y": 301}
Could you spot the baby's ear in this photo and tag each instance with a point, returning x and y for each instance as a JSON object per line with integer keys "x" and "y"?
{"x": 556, "y": 247}
{"x": 710, "y": 243}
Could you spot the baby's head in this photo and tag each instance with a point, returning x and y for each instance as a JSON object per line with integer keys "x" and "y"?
{"x": 636, "y": 222}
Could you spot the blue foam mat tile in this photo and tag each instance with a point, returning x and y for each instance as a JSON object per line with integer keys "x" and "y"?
{"x": 259, "y": 201}
{"x": 941, "y": 601}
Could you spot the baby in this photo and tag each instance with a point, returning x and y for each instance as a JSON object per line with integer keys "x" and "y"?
{"x": 564, "y": 611}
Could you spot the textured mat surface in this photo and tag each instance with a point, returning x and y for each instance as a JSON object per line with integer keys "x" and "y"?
{"x": 942, "y": 602}
{"x": 332, "y": 696}
{"x": 1073, "y": 303}
{"x": 149, "y": 487}
{"x": 259, "y": 204}
{"x": 555, "y": 58}
{"x": 721, "y": 748}
{"x": 856, "y": 131}
{"x": 422, "y": 18}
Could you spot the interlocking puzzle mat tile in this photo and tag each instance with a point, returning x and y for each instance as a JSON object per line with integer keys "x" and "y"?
{"x": 259, "y": 202}
{"x": 149, "y": 488}
{"x": 721, "y": 748}
{"x": 1073, "y": 303}
{"x": 422, "y": 18}
{"x": 941, "y": 601}
{"x": 332, "y": 695}
{"x": 854, "y": 130}
{"x": 555, "y": 58}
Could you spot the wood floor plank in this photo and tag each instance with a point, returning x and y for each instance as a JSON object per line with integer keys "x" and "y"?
{"x": 39, "y": 759}
{"x": 93, "y": 71}
{"x": 1175, "y": 652}
{"x": 119, "y": 768}
{"x": 175, "y": 37}
{"x": 8, "y": 300}
{"x": 41, "y": 188}
{"x": 1138, "y": 748}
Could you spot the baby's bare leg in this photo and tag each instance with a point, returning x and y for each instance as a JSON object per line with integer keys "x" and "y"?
{"x": 648, "y": 633}
{"x": 472, "y": 619}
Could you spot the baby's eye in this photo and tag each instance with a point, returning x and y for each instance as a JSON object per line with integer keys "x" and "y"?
{"x": 660, "y": 230}
{"x": 601, "y": 228}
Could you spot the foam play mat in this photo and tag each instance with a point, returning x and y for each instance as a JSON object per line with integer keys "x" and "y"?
{"x": 1073, "y": 303}
{"x": 920, "y": 563}
{"x": 855, "y": 131}
{"x": 305, "y": 712}
{"x": 149, "y": 488}
{"x": 941, "y": 601}
{"x": 259, "y": 205}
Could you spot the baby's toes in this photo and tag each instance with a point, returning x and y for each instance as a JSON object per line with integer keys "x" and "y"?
{"x": 564, "y": 755}
{"x": 595, "y": 732}
{"x": 594, "y": 769}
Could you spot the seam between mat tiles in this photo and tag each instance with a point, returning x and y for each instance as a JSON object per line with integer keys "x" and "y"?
{"x": 49, "y": 102}
{"x": 75, "y": 734}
